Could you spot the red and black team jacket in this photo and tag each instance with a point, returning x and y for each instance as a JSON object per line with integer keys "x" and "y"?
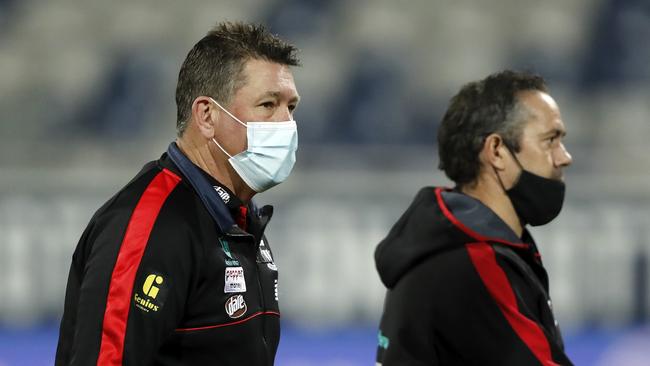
{"x": 163, "y": 275}
{"x": 463, "y": 289}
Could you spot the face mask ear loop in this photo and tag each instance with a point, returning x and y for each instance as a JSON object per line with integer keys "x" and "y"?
{"x": 228, "y": 113}
{"x": 222, "y": 149}
{"x": 499, "y": 179}
{"x": 514, "y": 156}
{"x": 516, "y": 161}
{"x": 518, "y": 177}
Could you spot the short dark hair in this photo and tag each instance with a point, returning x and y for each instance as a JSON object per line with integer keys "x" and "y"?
{"x": 214, "y": 66}
{"x": 479, "y": 109}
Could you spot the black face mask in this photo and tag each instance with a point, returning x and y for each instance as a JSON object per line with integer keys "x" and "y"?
{"x": 537, "y": 200}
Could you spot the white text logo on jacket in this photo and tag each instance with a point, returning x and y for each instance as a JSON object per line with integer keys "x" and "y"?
{"x": 236, "y": 306}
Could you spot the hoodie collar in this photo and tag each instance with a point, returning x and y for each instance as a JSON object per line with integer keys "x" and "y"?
{"x": 439, "y": 220}
{"x": 477, "y": 220}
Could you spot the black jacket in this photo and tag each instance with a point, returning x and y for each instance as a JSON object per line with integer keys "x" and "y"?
{"x": 162, "y": 275}
{"x": 463, "y": 289}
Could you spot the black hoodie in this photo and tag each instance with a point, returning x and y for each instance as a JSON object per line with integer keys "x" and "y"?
{"x": 463, "y": 289}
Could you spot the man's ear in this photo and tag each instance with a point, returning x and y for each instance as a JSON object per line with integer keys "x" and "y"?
{"x": 204, "y": 116}
{"x": 494, "y": 152}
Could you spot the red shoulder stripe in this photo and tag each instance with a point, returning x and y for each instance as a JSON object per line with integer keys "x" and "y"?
{"x": 495, "y": 280}
{"x": 128, "y": 260}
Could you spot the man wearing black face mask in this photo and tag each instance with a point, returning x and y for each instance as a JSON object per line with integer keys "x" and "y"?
{"x": 466, "y": 283}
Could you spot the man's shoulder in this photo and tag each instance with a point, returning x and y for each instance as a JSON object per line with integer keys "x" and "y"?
{"x": 155, "y": 200}
{"x": 452, "y": 264}
{"x": 154, "y": 187}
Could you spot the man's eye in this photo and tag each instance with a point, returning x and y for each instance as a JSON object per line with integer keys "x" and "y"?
{"x": 292, "y": 107}
{"x": 268, "y": 104}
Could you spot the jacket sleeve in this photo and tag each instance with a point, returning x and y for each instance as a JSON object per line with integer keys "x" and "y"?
{"x": 460, "y": 307}
{"x": 128, "y": 285}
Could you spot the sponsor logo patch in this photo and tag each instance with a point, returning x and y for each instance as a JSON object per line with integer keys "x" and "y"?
{"x": 225, "y": 197}
{"x": 383, "y": 340}
{"x": 151, "y": 296}
{"x": 264, "y": 254}
{"x": 230, "y": 260}
{"x": 236, "y": 306}
{"x": 234, "y": 280}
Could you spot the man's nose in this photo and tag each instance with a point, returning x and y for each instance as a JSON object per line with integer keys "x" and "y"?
{"x": 563, "y": 157}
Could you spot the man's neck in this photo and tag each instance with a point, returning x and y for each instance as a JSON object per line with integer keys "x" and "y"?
{"x": 199, "y": 153}
{"x": 493, "y": 196}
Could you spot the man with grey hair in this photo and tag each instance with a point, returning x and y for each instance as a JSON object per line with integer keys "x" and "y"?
{"x": 175, "y": 268}
{"x": 466, "y": 283}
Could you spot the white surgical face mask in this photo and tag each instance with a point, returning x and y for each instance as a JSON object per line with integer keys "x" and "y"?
{"x": 270, "y": 155}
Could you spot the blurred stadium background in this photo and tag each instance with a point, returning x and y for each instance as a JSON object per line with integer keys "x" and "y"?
{"x": 87, "y": 97}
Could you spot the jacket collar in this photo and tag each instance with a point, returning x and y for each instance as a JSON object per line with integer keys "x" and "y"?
{"x": 206, "y": 192}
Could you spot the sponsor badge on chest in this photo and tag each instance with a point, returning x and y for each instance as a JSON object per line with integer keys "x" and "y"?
{"x": 234, "y": 281}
